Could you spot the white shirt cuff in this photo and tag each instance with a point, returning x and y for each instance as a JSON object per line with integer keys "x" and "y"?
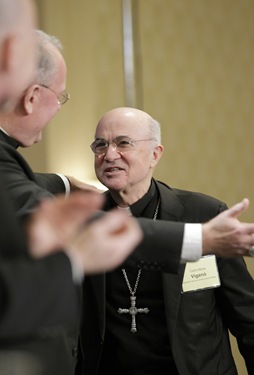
{"x": 192, "y": 243}
{"x": 66, "y": 183}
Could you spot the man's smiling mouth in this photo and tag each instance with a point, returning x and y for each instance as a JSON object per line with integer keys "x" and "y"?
{"x": 113, "y": 169}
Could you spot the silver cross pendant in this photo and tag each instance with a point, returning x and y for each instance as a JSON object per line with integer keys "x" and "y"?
{"x": 133, "y": 310}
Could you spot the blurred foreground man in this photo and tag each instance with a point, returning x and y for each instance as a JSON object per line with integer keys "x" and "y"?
{"x": 39, "y": 298}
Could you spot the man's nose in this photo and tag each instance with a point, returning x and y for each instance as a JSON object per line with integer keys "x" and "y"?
{"x": 112, "y": 152}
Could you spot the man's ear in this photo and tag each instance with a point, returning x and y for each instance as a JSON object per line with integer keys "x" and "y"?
{"x": 158, "y": 151}
{"x": 31, "y": 99}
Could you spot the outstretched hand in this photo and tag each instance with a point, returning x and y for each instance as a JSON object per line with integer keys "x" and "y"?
{"x": 56, "y": 221}
{"x": 225, "y": 236}
{"x": 70, "y": 224}
{"x": 106, "y": 242}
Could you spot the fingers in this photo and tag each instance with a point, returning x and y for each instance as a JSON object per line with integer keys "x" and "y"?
{"x": 57, "y": 221}
{"x": 115, "y": 222}
{"x": 83, "y": 203}
{"x": 87, "y": 200}
{"x": 108, "y": 241}
{"x": 248, "y": 228}
{"x": 237, "y": 209}
{"x": 77, "y": 206}
{"x": 79, "y": 185}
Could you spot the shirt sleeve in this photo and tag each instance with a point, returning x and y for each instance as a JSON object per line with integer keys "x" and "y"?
{"x": 192, "y": 243}
{"x": 66, "y": 183}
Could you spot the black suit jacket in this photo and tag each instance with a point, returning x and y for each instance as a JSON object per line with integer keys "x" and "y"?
{"x": 38, "y": 291}
{"x": 25, "y": 188}
{"x": 197, "y": 322}
{"x": 39, "y": 304}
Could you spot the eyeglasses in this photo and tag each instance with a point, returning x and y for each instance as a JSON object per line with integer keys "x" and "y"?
{"x": 62, "y": 97}
{"x": 121, "y": 144}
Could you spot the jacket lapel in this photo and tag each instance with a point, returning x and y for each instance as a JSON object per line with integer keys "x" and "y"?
{"x": 172, "y": 209}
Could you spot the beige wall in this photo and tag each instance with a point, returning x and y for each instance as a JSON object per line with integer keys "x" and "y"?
{"x": 197, "y": 77}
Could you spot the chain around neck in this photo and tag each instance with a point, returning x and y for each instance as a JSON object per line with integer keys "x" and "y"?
{"x": 133, "y": 291}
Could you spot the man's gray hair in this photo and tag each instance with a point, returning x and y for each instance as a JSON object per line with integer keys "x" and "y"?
{"x": 155, "y": 130}
{"x": 46, "y": 67}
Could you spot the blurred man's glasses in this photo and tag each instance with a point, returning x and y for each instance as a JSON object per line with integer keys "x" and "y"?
{"x": 121, "y": 144}
{"x": 62, "y": 97}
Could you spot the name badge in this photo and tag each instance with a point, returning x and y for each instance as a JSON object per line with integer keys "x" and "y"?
{"x": 202, "y": 274}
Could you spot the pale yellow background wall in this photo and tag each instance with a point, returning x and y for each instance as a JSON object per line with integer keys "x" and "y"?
{"x": 197, "y": 76}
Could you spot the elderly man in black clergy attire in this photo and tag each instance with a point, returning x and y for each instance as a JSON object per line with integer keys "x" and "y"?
{"x": 39, "y": 297}
{"x": 142, "y": 319}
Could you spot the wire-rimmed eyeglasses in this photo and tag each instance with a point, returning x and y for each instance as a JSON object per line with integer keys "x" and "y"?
{"x": 62, "y": 97}
{"x": 121, "y": 144}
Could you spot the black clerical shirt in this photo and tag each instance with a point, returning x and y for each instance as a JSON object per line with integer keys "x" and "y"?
{"x": 147, "y": 351}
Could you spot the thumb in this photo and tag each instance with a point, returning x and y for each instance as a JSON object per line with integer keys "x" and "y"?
{"x": 237, "y": 209}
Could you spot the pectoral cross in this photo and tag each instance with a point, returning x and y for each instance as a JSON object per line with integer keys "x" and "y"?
{"x": 133, "y": 310}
